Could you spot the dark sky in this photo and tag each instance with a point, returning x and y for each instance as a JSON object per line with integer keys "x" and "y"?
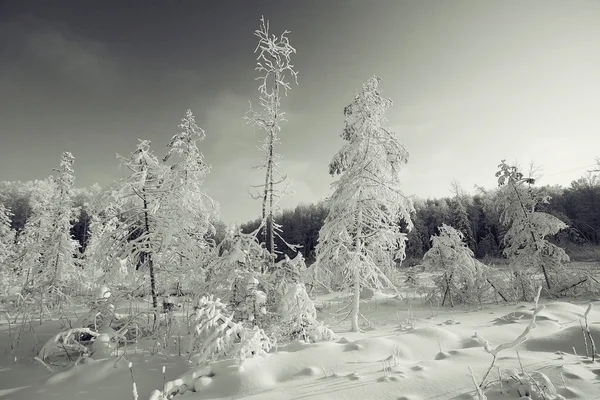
{"x": 472, "y": 82}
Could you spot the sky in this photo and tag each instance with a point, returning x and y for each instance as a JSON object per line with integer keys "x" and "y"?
{"x": 473, "y": 82}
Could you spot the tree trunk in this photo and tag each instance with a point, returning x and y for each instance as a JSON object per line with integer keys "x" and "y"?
{"x": 356, "y": 303}
{"x": 153, "y": 286}
{"x": 150, "y": 262}
{"x": 358, "y": 249}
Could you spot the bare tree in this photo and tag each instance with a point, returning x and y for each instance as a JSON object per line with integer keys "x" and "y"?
{"x": 273, "y": 62}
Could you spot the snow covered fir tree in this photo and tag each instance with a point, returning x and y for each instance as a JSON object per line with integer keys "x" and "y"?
{"x": 361, "y": 238}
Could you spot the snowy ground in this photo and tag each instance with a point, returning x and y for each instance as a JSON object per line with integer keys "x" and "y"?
{"x": 390, "y": 360}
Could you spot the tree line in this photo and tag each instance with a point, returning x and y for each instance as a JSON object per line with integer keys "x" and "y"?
{"x": 476, "y": 216}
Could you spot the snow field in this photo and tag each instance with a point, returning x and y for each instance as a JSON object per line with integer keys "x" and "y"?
{"x": 387, "y": 361}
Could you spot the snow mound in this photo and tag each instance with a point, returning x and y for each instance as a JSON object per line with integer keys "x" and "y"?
{"x": 563, "y": 340}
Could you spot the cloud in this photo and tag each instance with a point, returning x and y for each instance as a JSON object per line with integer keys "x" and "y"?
{"x": 60, "y": 51}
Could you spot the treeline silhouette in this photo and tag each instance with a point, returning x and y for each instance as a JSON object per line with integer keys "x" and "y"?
{"x": 476, "y": 216}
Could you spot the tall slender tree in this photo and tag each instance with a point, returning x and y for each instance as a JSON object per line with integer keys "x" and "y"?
{"x": 274, "y": 65}
{"x": 362, "y": 233}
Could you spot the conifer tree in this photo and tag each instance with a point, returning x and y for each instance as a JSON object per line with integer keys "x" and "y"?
{"x": 362, "y": 229}
{"x": 460, "y": 220}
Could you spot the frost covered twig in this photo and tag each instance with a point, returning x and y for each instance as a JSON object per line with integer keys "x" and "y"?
{"x": 520, "y": 339}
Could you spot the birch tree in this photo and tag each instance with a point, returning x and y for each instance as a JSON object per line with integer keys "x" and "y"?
{"x": 362, "y": 230}
{"x": 526, "y": 245}
{"x": 274, "y": 65}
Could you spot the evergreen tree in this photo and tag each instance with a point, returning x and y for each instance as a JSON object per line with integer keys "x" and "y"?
{"x": 362, "y": 228}
{"x": 460, "y": 220}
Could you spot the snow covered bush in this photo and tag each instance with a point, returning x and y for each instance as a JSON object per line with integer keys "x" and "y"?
{"x": 235, "y": 273}
{"x": 527, "y": 246}
{"x": 361, "y": 236}
{"x": 68, "y": 346}
{"x": 215, "y": 335}
{"x": 463, "y": 278}
{"x": 298, "y": 317}
{"x": 247, "y": 300}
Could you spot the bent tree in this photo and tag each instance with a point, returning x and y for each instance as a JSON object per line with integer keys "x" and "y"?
{"x": 526, "y": 245}
{"x": 361, "y": 235}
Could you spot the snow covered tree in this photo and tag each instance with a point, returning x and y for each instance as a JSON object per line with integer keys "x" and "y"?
{"x": 143, "y": 232}
{"x": 32, "y": 239}
{"x": 7, "y": 235}
{"x": 362, "y": 230}
{"x": 463, "y": 277}
{"x": 236, "y": 273}
{"x": 59, "y": 255}
{"x": 460, "y": 217}
{"x": 7, "y": 250}
{"x": 526, "y": 245}
{"x": 274, "y": 65}
{"x": 46, "y": 247}
{"x": 186, "y": 203}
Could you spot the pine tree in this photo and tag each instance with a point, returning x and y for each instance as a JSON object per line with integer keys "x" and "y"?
{"x": 362, "y": 228}
{"x": 526, "y": 245}
{"x": 460, "y": 220}
{"x": 273, "y": 63}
